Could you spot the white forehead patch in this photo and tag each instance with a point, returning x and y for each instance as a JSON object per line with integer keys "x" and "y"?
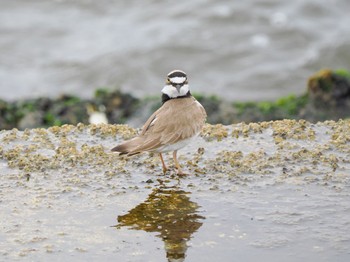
{"x": 177, "y": 80}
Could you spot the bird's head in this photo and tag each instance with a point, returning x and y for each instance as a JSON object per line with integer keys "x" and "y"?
{"x": 176, "y": 84}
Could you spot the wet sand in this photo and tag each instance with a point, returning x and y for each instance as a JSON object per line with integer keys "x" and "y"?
{"x": 272, "y": 190}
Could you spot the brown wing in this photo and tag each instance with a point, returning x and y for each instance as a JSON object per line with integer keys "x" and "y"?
{"x": 131, "y": 146}
{"x": 177, "y": 119}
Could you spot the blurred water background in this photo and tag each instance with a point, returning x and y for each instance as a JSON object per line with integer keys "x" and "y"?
{"x": 239, "y": 50}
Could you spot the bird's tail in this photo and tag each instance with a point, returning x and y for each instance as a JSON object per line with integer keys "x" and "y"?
{"x": 128, "y": 147}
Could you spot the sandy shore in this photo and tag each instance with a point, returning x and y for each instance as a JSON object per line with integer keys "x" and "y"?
{"x": 62, "y": 189}
{"x": 281, "y": 147}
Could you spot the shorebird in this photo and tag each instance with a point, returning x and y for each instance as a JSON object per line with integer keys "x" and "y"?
{"x": 170, "y": 128}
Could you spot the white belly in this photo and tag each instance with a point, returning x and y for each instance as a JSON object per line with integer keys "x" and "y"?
{"x": 175, "y": 146}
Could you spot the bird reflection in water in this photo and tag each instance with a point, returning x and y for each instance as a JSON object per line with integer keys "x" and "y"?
{"x": 170, "y": 212}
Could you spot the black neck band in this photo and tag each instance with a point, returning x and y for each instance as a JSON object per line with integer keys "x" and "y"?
{"x": 166, "y": 97}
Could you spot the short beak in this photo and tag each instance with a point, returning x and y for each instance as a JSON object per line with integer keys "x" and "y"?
{"x": 178, "y": 87}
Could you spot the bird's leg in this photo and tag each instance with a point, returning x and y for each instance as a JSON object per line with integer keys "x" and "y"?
{"x": 177, "y": 165}
{"x": 164, "y": 166}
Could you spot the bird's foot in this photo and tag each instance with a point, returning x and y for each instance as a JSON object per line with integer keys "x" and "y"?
{"x": 181, "y": 173}
{"x": 165, "y": 170}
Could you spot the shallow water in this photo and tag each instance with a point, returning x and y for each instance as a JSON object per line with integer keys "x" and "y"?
{"x": 250, "y": 50}
{"x": 74, "y": 200}
{"x": 287, "y": 222}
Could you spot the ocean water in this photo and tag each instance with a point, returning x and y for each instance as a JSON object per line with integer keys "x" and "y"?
{"x": 238, "y": 50}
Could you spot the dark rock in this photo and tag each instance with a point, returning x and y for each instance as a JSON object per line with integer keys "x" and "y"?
{"x": 327, "y": 88}
{"x": 119, "y": 106}
{"x": 31, "y": 120}
{"x": 329, "y": 95}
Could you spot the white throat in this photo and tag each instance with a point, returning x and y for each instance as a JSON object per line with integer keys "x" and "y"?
{"x": 172, "y": 92}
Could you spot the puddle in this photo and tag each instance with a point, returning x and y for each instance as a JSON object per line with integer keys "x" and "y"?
{"x": 170, "y": 214}
{"x": 73, "y": 200}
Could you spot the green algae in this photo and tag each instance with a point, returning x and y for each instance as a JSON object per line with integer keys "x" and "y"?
{"x": 326, "y": 97}
{"x": 285, "y": 107}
